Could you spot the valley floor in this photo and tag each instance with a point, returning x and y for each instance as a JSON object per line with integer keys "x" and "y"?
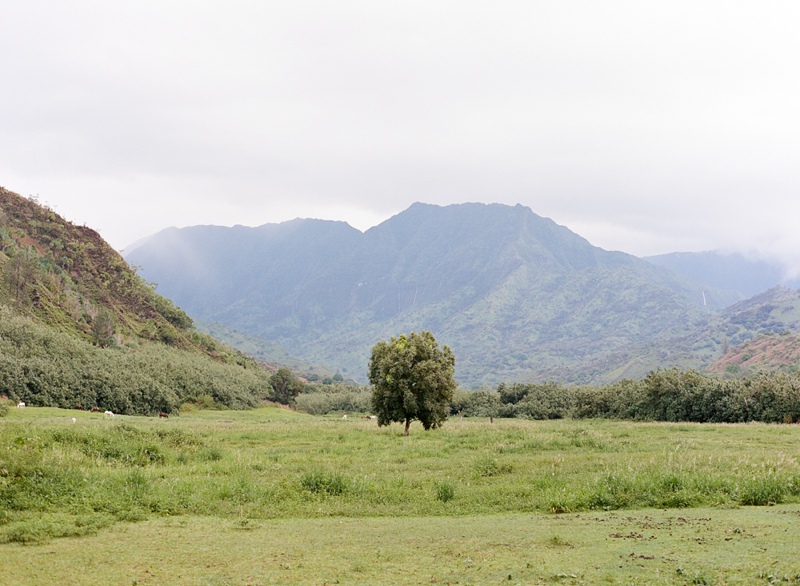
{"x": 697, "y": 546}
{"x": 272, "y": 496}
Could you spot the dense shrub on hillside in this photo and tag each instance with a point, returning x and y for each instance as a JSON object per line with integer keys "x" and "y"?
{"x": 47, "y": 368}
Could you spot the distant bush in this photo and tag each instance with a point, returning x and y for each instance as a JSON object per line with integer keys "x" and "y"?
{"x": 537, "y": 400}
{"x": 621, "y": 400}
{"x": 476, "y": 404}
{"x": 324, "y": 399}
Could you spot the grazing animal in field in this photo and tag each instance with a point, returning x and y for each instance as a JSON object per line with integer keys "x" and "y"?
{"x": 344, "y": 416}
{"x": 74, "y": 420}
{"x": 109, "y": 414}
{"x": 373, "y": 416}
{"x": 20, "y": 404}
{"x": 163, "y": 415}
{"x": 95, "y": 409}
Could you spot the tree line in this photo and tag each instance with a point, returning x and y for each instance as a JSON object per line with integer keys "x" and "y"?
{"x": 663, "y": 395}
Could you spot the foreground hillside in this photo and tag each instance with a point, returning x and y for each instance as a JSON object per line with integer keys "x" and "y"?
{"x": 78, "y": 327}
{"x": 516, "y": 296}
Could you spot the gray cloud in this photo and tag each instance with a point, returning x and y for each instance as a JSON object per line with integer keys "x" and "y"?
{"x": 645, "y": 127}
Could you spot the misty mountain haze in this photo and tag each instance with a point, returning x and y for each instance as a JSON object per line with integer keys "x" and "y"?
{"x": 733, "y": 272}
{"x": 516, "y": 296}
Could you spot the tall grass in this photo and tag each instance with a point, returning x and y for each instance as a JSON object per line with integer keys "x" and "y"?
{"x": 57, "y": 478}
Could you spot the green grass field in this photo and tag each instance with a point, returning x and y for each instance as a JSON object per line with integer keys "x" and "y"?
{"x": 271, "y": 496}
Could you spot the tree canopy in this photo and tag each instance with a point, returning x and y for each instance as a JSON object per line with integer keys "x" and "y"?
{"x": 412, "y": 378}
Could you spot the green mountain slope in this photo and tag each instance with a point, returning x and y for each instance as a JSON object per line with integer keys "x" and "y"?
{"x": 515, "y": 295}
{"x": 741, "y": 336}
{"x": 79, "y": 327}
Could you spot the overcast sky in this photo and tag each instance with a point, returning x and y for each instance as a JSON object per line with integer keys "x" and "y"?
{"x": 646, "y": 127}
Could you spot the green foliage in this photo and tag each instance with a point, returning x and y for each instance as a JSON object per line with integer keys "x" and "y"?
{"x": 445, "y": 491}
{"x": 537, "y": 400}
{"x": 67, "y": 299}
{"x": 285, "y": 386}
{"x": 321, "y": 399}
{"x": 325, "y": 483}
{"x": 173, "y": 314}
{"x": 47, "y": 368}
{"x": 487, "y": 466}
{"x": 476, "y": 404}
{"x": 412, "y": 379}
{"x": 664, "y": 395}
{"x": 620, "y": 400}
{"x": 763, "y": 490}
{"x": 19, "y": 273}
{"x": 103, "y": 328}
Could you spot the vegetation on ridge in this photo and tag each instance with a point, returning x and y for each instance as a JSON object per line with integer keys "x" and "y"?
{"x": 79, "y": 328}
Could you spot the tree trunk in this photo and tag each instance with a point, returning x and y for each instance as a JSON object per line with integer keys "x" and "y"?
{"x": 408, "y": 424}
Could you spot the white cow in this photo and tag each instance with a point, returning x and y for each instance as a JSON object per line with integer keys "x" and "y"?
{"x": 21, "y": 404}
{"x": 109, "y": 414}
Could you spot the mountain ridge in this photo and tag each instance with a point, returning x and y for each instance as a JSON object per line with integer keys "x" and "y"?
{"x": 515, "y": 295}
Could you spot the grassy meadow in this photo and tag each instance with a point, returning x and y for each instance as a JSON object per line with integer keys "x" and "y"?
{"x": 272, "y": 496}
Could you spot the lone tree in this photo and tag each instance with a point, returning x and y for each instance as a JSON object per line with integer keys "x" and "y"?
{"x": 412, "y": 378}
